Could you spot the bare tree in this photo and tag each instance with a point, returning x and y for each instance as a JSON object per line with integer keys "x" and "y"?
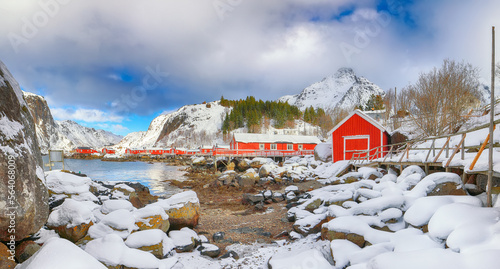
{"x": 440, "y": 98}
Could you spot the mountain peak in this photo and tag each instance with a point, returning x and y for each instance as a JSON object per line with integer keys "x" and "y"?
{"x": 344, "y": 71}
{"x": 343, "y": 89}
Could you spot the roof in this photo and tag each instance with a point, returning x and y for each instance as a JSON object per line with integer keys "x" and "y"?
{"x": 362, "y": 115}
{"x": 83, "y": 148}
{"x": 267, "y": 138}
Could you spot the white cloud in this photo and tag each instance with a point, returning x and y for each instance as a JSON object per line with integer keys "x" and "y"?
{"x": 86, "y": 115}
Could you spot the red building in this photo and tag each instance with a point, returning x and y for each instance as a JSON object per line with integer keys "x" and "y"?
{"x": 273, "y": 142}
{"x": 108, "y": 151}
{"x": 85, "y": 150}
{"x": 358, "y": 132}
{"x": 158, "y": 151}
{"x": 135, "y": 151}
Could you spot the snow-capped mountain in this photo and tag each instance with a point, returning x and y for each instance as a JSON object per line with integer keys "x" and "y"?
{"x": 344, "y": 89}
{"x": 65, "y": 135}
{"x": 190, "y": 126}
{"x": 193, "y": 126}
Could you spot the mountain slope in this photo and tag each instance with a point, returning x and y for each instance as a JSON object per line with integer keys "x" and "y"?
{"x": 344, "y": 89}
{"x": 65, "y": 135}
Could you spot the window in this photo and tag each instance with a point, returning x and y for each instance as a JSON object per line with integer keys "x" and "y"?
{"x": 301, "y": 147}
{"x": 273, "y": 147}
{"x": 289, "y": 147}
{"x": 261, "y": 146}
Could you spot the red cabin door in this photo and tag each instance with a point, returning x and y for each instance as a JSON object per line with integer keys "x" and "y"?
{"x": 354, "y": 144}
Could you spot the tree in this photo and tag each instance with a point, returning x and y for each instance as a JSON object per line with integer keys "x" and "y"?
{"x": 440, "y": 97}
{"x": 376, "y": 102}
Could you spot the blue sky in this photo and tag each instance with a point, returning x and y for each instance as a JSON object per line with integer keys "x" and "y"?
{"x": 117, "y": 64}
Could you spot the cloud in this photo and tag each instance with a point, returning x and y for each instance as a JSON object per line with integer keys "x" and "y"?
{"x": 79, "y": 55}
{"x": 86, "y": 115}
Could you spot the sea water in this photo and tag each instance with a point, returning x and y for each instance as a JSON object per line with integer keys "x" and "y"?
{"x": 153, "y": 175}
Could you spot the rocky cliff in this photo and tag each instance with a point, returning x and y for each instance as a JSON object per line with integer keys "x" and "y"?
{"x": 24, "y": 196}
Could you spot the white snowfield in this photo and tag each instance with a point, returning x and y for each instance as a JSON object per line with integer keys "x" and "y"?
{"x": 402, "y": 225}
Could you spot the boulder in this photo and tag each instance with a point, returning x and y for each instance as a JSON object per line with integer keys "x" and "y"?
{"x": 310, "y": 224}
{"x": 25, "y": 250}
{"x": 20, "y": 165}
{"x": 6, "y": 257}
{"x": 209, "y": 250}
{"x": 332, "y": 235}
{"x": 252, "y": 199}
{"x": 323, "y": 152}
{"x": 257, "y": 163}
{"x": 143, "y": 194}
{"x": 199, "y": 161}
{"x": 249, "y": 178}
{"x": 243, "y": 165}
{"x": 154, "y": 241}
{"x": 183, "y": 209}
{"x": 183, "y": 241}
{"x": 265, "y": 170}
{"x": 71, "y": 220}
{"x": 152, "y": 217}
{"x": 68, "y": 255}
{"x": 230, "y": 166}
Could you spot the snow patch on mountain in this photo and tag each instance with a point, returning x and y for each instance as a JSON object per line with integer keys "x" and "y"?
{"x": 344, "y": 89}
{"x": 63, "y": 135}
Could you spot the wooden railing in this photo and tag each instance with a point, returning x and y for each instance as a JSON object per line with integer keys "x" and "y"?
{"x": 261, "y": 153}
{"x": 402, "y": 150}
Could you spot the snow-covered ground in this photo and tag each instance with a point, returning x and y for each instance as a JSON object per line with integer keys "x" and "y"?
{"x": 370, "y": 218}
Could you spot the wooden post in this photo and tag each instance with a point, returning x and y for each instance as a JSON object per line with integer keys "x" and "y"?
{"x": 492, "y": 116}
{"x": 462, "y": 153}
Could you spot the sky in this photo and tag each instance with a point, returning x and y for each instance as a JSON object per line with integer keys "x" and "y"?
{"x": 117, "y": 64}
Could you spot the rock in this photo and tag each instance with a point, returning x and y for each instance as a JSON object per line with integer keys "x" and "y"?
{"x": 68, "y": 255}
{"x": 183, "y": 209}
{"x": 154, "y": 241}
{"x": 183, "y": 241}
{"x": 257, "y": 163}
{"x": 323, "y": 152}
{"x": 332, "y": 235}
{"x": 74, "y": 233}
{"x": 145, "y": 197}
{"x": 311, "y": 224}
{"x": 448, "y": 188}
{"x": 199, "y": 161}
{"x": 313, "y": 205}
{"x": 152, "y": 217}
{"x": 71, "y": 220}
{"x": 227, "y": 177}
{"x": 243, "y": 165}
{"x": 252, "y": 199}
{"x": 135, "y": 201}
{"x": 249, "y": 178}
{"x": 209, "y": 250}
{"x": 25, "y": 250}
{"x": 230, "y": 254}
{"x": 20, "y": 165}
{"x": 218, "y": 236}
{"x": 265, "y": 170}
{"x": 7, "y": 257}
{"x": 230, "y": 166}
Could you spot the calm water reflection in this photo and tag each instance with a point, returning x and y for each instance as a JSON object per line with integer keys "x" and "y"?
{"x": 152, "y": 175}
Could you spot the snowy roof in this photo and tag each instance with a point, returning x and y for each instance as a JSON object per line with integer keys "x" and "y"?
{"x": 362, "y": 115}
{"x": 267, "y": 138}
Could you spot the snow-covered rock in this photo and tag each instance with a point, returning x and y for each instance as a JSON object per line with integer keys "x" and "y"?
{"x": 59, "y": 253}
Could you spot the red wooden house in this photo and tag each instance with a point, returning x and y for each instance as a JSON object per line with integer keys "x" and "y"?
{"x": 357, "y": 132}
{"x": 206, "y": 149}
{"x": 108, "y": 151}
{"x": 135, "y": 151}
{"x": 158, "y": 151}
{"x": 85, "y": 150}
{"x": 243, "y": 141}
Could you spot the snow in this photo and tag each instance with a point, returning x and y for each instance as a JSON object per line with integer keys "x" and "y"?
{"x": 343, "y": 89}
{"x": 181, "y": 238}
{"x": 301, "y": 260}
{"x": 58, "y": 253}
{"x": 70, "y": 213}
{"x": 112, "y": 251}
{"x": 150, "y": 238}
{"x": 112, "y": 205}
{"x": 61, "y": 182}
{"x": 178, "y": 200}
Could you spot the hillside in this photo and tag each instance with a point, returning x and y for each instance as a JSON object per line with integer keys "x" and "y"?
{"x": 65, "y": 135}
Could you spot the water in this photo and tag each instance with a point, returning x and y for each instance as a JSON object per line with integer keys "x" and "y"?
{"x": 153, "y": 175}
